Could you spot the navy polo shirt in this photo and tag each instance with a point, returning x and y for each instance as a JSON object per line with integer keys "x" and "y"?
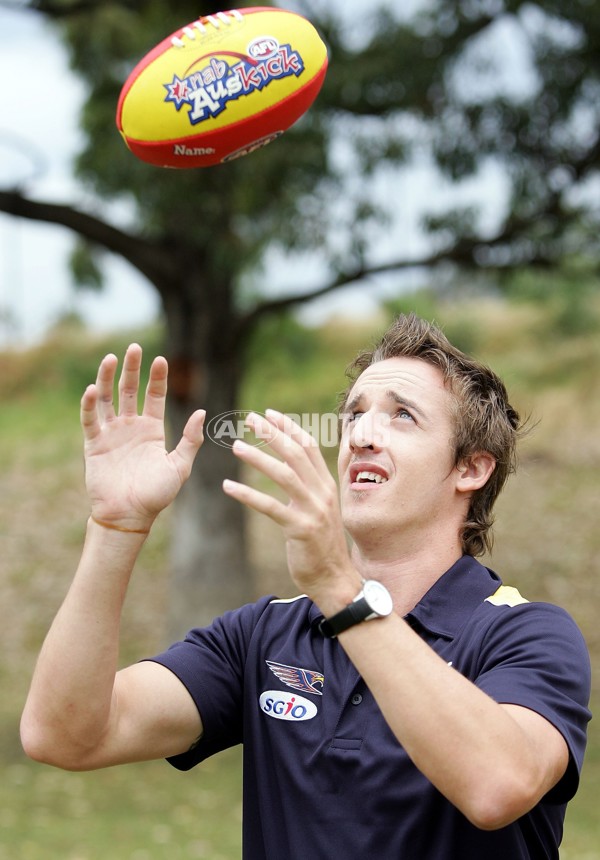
{"x": 324, "y": 776}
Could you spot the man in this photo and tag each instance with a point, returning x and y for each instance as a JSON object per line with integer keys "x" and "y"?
{"x": 407, "y": 705}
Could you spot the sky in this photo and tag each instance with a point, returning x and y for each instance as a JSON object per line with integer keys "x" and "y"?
{"x": 38, "y": 140}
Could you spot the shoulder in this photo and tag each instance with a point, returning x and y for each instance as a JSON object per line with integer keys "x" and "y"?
{"x": 539, "y": 634}
{"x": 507, "y": 612}
{"x": 270, "y": 609}
{"x": 234, "y": 629}
{"x": 511, "y": 642}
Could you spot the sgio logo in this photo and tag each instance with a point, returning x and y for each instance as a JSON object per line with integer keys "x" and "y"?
{"x": 286, "y": 706}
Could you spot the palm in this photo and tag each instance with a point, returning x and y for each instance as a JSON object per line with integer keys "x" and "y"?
{"x": 127, "y": 467}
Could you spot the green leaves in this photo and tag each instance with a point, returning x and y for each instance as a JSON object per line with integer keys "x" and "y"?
{"x": 460, "y": 85}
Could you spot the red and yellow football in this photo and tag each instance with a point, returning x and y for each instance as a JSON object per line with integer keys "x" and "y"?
{"x": 221, "y": 87}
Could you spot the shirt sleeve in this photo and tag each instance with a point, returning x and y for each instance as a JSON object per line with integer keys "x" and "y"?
{"x": 210, "y": 662}
{"x": 534, "y": 655}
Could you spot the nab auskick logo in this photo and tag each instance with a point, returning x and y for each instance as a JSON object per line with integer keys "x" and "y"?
{"x": 286, "y": 706}
{"x": 211, "y": 82}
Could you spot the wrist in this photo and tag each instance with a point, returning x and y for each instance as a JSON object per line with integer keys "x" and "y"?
{"x": 115, "y": 552}
{"x": 334, "y": 596}
{"x": 371, "y": 602}
{"x": 132, "y": 528}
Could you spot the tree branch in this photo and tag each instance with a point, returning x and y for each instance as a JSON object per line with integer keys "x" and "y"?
{"x": 344, "y": 279}
{"x": 463, "y": 253}
{"x": 143, "y": 255}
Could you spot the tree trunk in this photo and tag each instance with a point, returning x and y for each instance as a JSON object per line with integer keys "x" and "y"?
{"x": 210, "y": 569}
{"x": 210, "y": 572}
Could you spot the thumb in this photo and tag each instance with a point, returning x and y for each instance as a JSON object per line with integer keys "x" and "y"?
{"x": 190, "y": 442}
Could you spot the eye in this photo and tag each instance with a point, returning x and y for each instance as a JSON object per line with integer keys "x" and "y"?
{"x": 350, "y": 417}
{"x": 404, "y": 414}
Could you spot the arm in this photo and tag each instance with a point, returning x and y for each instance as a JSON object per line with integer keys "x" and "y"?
{"x": 80, "y": 712}
{"x": 494, "y": 762}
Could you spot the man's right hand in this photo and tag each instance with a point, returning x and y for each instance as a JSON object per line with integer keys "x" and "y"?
{"x": 130, "y": 477}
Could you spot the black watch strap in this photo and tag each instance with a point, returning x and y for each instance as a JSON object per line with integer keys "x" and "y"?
{"x": 352, "y": 614}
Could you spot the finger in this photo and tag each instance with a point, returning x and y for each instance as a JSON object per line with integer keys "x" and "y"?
{"x": 276, "y": 470}
{"x": 89, "y": 413}
{"x": 287, "y": 446}
{"x": 190, "y": 442}
{"x": 129, "y": 381}
{"x": 105, "y": 382}
{"x": 260, "y": 502}
{"x": 156, "y": 391}
{"x": 308, "y": 443}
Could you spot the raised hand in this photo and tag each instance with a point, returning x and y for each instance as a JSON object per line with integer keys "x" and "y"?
{"x": 317, "y": 553}
{"x": 130, "y": 476}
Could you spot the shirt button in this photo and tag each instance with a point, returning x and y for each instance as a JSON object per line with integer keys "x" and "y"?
{"x": 356, "y": 699}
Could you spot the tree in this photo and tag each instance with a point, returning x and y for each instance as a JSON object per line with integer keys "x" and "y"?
{"x": 434, "y": 86}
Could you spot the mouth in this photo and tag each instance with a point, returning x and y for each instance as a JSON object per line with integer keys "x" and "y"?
{"x": 362, "y": 476}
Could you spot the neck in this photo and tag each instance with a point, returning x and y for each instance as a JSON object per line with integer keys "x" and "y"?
{"x": 407, "y": 577}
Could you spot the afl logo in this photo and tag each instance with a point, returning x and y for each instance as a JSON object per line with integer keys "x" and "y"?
{"x": 286, "y": 706}
{"x": 263, "y": 48}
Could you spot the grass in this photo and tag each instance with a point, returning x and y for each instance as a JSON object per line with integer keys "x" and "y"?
{"x": 547, "y": 543}
{"x": 582, "y": 826}
{"x": 137, "y": 813}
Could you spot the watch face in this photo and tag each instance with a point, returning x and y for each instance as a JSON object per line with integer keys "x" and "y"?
{"x": 378, "y": 597}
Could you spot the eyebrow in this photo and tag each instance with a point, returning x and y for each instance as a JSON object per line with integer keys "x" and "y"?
{"x": 390, "y": 395}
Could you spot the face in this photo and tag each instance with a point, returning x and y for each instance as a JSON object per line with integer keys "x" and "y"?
{"x": 398, "y": 480}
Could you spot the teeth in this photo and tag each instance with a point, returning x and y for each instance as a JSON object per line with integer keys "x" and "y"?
{"x": 371, "y": 476}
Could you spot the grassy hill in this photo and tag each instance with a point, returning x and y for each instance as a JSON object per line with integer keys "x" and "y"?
{"x": 547, "y": 543}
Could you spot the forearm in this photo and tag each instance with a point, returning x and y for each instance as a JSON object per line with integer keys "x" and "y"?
{"x": 71, "y": 697}
{"x": 466, "y": 744}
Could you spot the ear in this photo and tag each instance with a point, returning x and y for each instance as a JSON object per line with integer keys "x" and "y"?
{"x": 474, "y": 471}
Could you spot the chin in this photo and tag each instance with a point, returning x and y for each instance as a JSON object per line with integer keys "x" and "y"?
{"x": 363, "y": 523}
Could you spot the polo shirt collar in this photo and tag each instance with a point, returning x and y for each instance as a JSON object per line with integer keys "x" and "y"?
{"x": 450, "y": 602}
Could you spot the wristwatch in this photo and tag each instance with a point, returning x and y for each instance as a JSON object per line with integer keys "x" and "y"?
{"x": 373, "y": 601}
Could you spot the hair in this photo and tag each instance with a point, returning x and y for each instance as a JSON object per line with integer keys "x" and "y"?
{"x": 484, "y": 420}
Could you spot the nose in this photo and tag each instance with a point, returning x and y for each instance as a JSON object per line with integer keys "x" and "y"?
{"x": 369, "y": 430}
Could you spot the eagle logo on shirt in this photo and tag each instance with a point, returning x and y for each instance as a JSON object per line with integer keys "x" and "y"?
{"x": 307, "y": 680}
